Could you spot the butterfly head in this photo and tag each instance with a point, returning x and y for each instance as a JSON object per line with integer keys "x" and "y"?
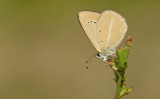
{"x": 102, "y": 55}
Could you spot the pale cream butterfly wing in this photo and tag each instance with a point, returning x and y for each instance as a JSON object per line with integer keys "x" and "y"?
{"x": 111, "y": 28}
{"x": 88, "y": 22}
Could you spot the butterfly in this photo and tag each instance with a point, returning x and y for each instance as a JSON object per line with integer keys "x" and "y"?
{"x": 105, "y": 30}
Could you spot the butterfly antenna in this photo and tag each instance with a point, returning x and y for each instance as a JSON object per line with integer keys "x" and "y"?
{"x": 89, "y": 60}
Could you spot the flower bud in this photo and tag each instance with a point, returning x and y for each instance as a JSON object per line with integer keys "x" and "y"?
{"x": 129, "y": 41}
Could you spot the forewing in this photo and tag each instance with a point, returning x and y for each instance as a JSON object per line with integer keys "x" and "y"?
{"x": 111, "y": 29}
{"x": 88, "y": 22}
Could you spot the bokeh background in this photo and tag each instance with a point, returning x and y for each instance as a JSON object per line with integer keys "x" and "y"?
{"x": 43, "y": 50}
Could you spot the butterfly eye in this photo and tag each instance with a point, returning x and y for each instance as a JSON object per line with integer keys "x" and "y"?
{"x": 99, "y": 30}
{"x": 98, "y": 55}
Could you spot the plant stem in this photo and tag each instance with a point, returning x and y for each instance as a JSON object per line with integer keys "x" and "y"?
{"x": 119, "y": 65}
{"x": 119, "y": 85}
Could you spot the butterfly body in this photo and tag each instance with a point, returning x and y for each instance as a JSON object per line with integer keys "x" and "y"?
{"x": 105, "y": 30}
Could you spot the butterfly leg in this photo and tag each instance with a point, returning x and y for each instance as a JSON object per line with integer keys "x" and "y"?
{"x": 105, "y": 58}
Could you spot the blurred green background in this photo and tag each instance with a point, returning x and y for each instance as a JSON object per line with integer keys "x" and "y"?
{"x": 43, "y": 50}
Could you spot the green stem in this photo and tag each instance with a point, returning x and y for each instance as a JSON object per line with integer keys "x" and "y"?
{"x": 119, "y": 82}
{"x": 119, "y": 65}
